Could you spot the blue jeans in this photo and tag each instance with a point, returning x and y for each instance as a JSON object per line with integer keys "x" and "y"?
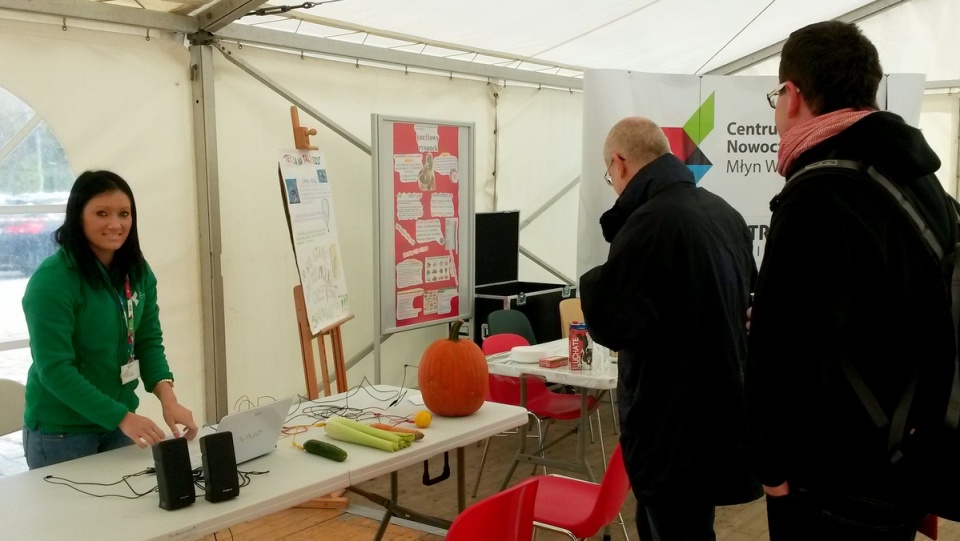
{"x": 811, "y": 516}
{"x": 47, "y": 448}
{"x": 680, "y": 521}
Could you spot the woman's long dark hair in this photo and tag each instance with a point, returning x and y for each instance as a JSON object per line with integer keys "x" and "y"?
{"x": 128, "y": 259}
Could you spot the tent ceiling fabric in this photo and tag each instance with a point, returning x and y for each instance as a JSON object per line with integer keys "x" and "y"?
{"x": 677, "y": 36}
{"x": 671, "y": 36}
{"x": 564, "y": 37}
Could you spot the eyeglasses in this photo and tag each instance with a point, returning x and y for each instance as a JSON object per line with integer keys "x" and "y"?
{"x": 773, "y": 94}
{"x": 606, "y": 174}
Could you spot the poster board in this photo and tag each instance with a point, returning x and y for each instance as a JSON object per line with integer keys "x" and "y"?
{"x": 308, "y": 201}
{"x": 721, "y": 127}
{"x": 423, "y": 214}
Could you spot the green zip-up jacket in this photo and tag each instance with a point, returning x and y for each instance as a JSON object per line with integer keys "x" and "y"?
{"x": 78, "y": 340}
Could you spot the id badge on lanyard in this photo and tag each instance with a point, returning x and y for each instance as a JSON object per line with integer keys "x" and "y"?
{"x": 130, "y": 371}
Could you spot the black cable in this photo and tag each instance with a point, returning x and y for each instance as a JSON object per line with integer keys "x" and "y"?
{"x": 273, "y": 10}
{"x": 53, "y": 480}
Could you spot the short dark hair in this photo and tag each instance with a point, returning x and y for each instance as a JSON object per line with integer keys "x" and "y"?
{"x": 128, "y": 258}
{"x": 834, "y": 65}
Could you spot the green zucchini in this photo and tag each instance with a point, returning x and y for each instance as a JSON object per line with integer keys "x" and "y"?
{"x": 324, "y": 449}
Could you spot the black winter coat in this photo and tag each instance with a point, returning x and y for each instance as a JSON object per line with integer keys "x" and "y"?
{"x": 672, "y": 299}
{"x": 845, "y": 276}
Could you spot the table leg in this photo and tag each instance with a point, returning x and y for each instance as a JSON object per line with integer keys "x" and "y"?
{"x": 582, "y": 436}
{"x": 461, "y": 480}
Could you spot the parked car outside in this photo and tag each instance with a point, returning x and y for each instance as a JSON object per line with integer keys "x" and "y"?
{"x": 27, "y": 239}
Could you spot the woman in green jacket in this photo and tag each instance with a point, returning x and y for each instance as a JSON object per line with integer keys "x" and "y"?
{"x": 91, "y": 310}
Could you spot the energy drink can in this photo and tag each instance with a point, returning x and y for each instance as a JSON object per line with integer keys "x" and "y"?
{"x": 580, "y": 358}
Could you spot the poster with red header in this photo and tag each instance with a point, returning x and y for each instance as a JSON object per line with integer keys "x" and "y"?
{"x": 426, "y": 222}
{"x": 423, "y": 189}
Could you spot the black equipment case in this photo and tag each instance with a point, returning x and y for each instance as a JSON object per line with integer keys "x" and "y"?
{"x": 497, "y": 260}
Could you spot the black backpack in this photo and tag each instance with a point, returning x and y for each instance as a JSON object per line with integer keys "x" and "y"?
{"x": 925, "y": 459}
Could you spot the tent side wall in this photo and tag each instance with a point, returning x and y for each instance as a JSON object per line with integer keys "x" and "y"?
{"x": 119, "y": 102}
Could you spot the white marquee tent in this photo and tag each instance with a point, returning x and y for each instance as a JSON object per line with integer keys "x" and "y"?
{"x": 189, "y": 101}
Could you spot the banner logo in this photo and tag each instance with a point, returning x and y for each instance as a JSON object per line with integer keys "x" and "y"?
{"x": 685, "y": 141}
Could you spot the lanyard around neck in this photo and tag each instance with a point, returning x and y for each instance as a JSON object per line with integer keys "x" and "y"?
{"x": 128, "y": 316}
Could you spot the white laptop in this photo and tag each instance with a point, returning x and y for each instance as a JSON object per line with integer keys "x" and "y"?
{"x": 255, "y": 431}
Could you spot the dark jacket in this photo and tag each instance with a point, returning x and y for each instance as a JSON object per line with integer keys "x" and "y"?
{"x": 845, "y": 276}
{"x": 672, "y": 299}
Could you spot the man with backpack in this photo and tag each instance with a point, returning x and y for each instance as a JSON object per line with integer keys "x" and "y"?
{"x": 851, "y": 338}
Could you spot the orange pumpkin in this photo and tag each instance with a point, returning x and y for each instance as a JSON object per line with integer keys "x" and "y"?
{"x": 453, "y": 376}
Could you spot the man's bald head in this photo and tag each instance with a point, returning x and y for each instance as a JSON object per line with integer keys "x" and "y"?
{"x": 638, "y": 140}
{"x": 631, "y": 144}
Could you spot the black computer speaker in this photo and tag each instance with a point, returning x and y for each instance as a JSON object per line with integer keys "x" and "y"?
{"x": 220, "y": 479}
{"x": 174, "y": 476}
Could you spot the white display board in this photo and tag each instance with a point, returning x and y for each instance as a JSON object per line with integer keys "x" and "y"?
{"x": 423, "y": 185}
{"x": 308, "y": 200}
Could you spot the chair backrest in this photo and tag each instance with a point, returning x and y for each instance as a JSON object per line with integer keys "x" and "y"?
{"x": 613, "y": 492}
{"x": 506, "y": 389}
{"x": 510, "y": 321}
{"x": 504, "y": 516}
{"x": 570, "y": 311}
{"x": 498, "y": 343}
{"x": 12, "y": 402}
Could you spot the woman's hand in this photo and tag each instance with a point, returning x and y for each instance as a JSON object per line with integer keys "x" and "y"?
{"x": 175, "y": 414}
{"x": 141, "y": 430}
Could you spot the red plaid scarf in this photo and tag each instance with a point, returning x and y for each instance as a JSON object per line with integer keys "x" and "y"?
{"x": 803, "y": 136}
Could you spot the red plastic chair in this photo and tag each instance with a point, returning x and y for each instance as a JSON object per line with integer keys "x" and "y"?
{"x": 578, "y": 508}
{"x": 498, "y": 343}
{"x": 504, "y": 516}
{"x": 542, "y": 403}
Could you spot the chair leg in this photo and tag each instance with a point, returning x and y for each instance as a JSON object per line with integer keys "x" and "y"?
{"x": 613, "y": 412}
{"x": 603, "y": 450}
{"x": 483, "y": 459}
{"x": 624, "y": 526}
{"x": 542, "y": 435}
{"x": 552, "y": 528}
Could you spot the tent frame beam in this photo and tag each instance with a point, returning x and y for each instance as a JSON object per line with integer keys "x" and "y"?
{"x": 353, "y": 51}
{"x": 107, "y": 13}
{"x": 224, "y": 12}
{"x": 856, "y": 15}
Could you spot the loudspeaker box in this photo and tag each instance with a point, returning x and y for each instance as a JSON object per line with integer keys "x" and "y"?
{"x": 219, "y": 467}
{"x": 174, "y": 476}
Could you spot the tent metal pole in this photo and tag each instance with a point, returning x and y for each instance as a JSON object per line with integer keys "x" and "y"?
{"x": 546, "y": 266}
{"x": 292, "y": 98}
{"x": 107, "y": 13}
{"x": 550, "y": 202}
{"x": 311, "y": 44}
{"x": 211, "y": 248}
{"x": 856, "y": 15}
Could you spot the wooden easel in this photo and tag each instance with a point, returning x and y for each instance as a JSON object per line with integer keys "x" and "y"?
{"x": 335, "y": 500}
{"x": 306, "y": 349}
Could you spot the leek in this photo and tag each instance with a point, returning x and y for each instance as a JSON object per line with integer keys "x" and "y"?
{"x": 403, "y": 440}
{"x": 345, "y": 433}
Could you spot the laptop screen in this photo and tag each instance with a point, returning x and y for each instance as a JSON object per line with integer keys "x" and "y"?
{"x": 256, "y": 430}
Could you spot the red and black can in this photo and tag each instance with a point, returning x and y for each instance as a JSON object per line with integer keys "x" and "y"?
{"x": 579, "y": 347}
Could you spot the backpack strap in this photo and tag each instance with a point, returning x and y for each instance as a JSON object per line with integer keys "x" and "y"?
{"x": 899, "y": 422}
{"x": 952, "y": 418}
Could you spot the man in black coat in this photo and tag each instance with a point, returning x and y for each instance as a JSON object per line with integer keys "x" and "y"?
{"x": 672, "y": 300}
{"x": 846, "y": 283}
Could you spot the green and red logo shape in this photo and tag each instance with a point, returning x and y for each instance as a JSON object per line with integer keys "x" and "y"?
{"x": 685, "y": 141}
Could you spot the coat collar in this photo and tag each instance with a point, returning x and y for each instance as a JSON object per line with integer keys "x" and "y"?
{"x": 656, "y": 176}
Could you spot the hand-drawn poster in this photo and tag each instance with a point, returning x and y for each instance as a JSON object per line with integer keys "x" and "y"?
{"x": 426, "y": 189}
{"x": 313, "y": 229}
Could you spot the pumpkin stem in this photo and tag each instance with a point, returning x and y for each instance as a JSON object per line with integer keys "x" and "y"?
{"x": 455, "y": 330}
